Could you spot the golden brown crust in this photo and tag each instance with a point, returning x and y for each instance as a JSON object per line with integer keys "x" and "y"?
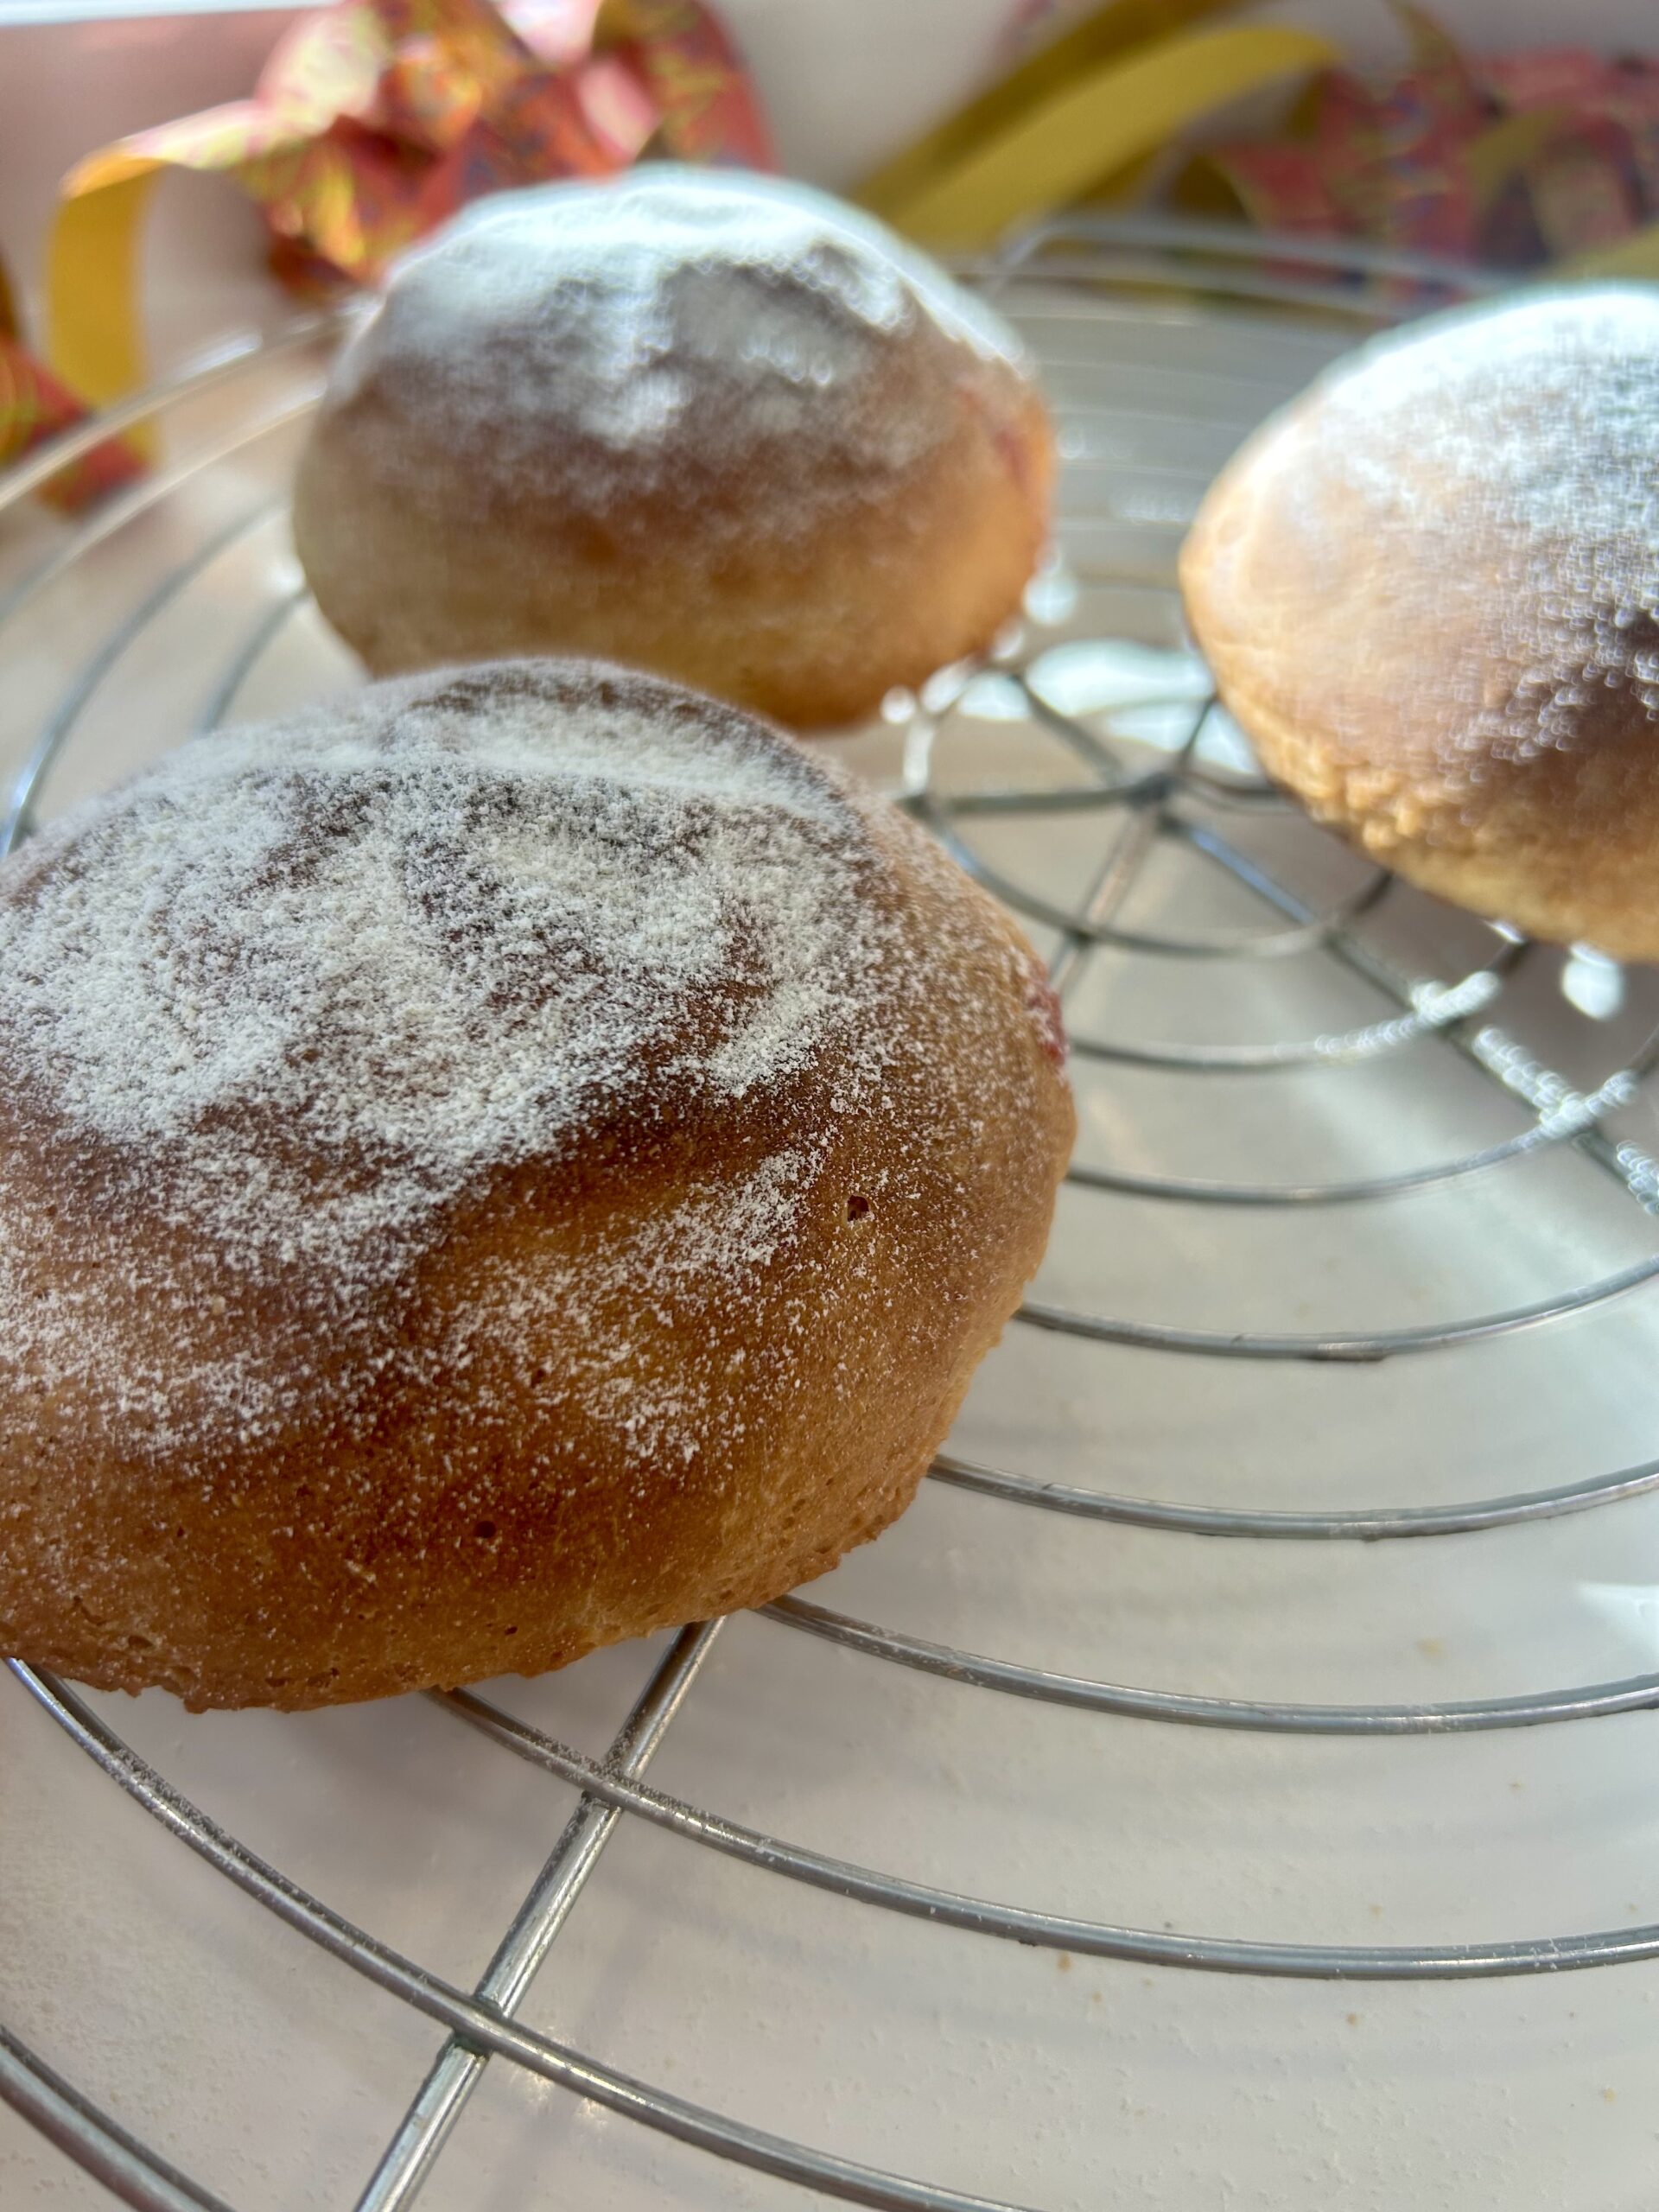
{"x": 435, "y": 1480}
{"x": 812, "y": 632}
{"x": 800, "y": 558}
{"x": 1427, "y": 592}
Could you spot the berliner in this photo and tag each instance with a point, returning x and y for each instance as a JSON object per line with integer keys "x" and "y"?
{"x": 708, "y": 424}
{"x": 1429, "y": 592}
{"x": 514, "y": 1159}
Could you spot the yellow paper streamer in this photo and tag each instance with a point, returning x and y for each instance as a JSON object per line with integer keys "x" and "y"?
{"x": 1111, "y": 31}
{"x": 1506, "y": 146}
{"x": 91, "y": 277}
{"x": 1636, "y": 255}
{"x": 1052, "y": 153}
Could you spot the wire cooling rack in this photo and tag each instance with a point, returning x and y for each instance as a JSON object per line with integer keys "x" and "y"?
{"x": 1282, "y": 1056}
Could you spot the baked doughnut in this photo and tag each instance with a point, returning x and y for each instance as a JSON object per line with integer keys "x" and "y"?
{"x": 506, "y": 1161}
{"x": 1429, "y": 591}
{"x": 700, "y": 423}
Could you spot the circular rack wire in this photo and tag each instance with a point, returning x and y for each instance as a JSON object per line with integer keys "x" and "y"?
{"x": 1181, "y": 803}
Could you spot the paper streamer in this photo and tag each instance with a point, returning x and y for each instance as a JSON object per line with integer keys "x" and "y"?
{"x": 36, "y": 405}
{"x": 1546, "y": 157}
{"x": 373, "y": 122}
{"x": 1072, "y": 139}
{"x": 1106, "y": 36}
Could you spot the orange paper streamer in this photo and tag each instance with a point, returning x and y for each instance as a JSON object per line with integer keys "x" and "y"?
{"x": 374, "y": 120}
{"x": 1508, "y": 160}
{"x": 36, "y": 405}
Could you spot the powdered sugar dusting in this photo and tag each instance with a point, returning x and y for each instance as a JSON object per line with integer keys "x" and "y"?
{"x": 1541, "y": 411}
{"x": 330, "y": 974}
{"x": 725, "y": 1234}
{"x": 483, "y": 1052}
{"x": 1495, "y": 474}
{"x": 673, "y": 310}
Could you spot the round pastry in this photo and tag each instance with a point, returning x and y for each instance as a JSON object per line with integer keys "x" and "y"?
{"x": 709, "y": 424}
{"x": 1429, "y": 591}
{"x": 505, "y": 1162}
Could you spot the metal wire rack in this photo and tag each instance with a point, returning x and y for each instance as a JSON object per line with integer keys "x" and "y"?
{"x": 1129, "y": 783}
